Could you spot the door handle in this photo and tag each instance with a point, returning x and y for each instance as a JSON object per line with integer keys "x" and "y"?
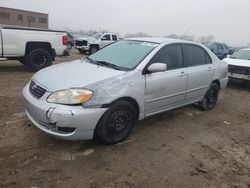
{"x": 182, "y": 74}
{"x": 210, "y": 69}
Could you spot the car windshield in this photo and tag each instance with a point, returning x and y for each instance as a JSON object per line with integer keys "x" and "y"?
{"x": 241, "y": 54}
{"x": 97, "y": 36}
{"x": 124, "y": 54}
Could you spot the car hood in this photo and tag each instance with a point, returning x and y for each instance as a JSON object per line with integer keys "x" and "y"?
{"x": 238, "y": 62}
{"x": 74, "y": 74}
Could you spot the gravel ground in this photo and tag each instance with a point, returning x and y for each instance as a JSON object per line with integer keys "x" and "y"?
{"x": 182, "y": 148}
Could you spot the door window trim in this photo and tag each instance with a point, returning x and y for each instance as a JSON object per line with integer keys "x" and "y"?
{"x": 196, "y": 45}
{"x": 145, "y": 70}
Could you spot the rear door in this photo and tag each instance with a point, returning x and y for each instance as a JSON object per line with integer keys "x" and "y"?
{"x": 114, "y": 38}
{"x": 200, "y": 71}
{"x": 166, "y": 90}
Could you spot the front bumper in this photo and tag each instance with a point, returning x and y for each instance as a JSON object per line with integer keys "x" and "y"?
{"x": 235, "y": 76}
{"x": 85, "y": 48}
{"x": 61, "y": 121}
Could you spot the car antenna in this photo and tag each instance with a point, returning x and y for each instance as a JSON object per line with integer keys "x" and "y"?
{"x": 185, "y": 33}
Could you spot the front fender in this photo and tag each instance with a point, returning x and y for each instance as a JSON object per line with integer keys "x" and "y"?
{"x": 131, "y": 84}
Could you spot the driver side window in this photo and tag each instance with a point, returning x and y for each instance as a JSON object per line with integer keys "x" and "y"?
{"x": 170, "y": 55}
{"x": 106, "y": 37}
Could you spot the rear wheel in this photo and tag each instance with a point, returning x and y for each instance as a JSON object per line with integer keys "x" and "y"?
{"x": 117, "y": 123}
{"x": 38, "y": 59}
{"x": 211, "y": 97}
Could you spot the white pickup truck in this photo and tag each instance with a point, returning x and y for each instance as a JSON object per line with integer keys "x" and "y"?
{"x": 35, "y": 48}
{"x": 95, "y": 42}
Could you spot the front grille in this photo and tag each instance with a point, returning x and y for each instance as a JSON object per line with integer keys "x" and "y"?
{"x": 36, "y": 90}
{"x": 239, "y": 70}
{"x": 81, "y": 43}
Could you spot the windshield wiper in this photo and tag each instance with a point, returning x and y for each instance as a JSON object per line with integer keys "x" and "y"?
{"x": 105, "y": 63}
{"x": 91, "y": 60}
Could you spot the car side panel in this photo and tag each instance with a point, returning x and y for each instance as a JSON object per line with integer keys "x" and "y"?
{"x": 164, "y": 90}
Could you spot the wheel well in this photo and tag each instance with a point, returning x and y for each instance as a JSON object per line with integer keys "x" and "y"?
{"x": 217, "y": 82}
{"x": 44, "y": 45}
{"x": 95, "y": 45}
{"x": 127, "y": 99}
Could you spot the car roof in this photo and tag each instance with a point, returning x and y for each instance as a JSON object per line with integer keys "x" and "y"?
{"x": 160, "y": 40}
{"x": 247, "y": 49}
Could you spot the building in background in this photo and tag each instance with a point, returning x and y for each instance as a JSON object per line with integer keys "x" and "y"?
{"x": 16, "y": 17}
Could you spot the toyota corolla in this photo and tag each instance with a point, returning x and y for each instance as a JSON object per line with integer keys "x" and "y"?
{"x": 103, "y": 95}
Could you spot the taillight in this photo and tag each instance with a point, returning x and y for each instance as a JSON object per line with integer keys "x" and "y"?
{"x": 65, "y": 40}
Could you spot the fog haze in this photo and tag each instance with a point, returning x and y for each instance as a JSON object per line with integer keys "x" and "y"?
{"x": 227, "y": 20}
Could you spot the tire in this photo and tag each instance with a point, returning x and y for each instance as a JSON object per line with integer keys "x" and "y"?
{"x": 117, "y": 123}
{"x": 211, "y": 97}
{"x": 93, "y": 49}
{"x": 81, "y": 51}
{"x": 38, "y": 59}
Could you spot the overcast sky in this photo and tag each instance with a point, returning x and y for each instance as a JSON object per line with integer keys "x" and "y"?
{"x": 227, "y": 20}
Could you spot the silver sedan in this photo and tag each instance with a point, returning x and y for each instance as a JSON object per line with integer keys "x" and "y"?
{"x": 102, "y": 96}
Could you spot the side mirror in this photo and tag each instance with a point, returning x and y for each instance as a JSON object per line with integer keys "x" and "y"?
{"x": 157, "y": 67}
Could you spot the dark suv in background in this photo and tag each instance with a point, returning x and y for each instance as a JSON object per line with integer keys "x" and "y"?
{"x": 221, "y": 50}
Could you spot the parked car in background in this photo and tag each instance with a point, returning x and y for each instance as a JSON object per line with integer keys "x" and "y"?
{"x": 95, "y": 42}
{"x": 239, "y": 66}
{"x": 36, "y": 48}
{"x": 103, "y": 95}
{"x": 221, "y": 50}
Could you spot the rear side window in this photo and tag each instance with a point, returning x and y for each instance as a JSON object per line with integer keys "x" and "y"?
{"x": 194, "y": 55}
{"x": 114, "y": 37}
{"x": 170, "y": 55}
{"x": 213, "y": 47}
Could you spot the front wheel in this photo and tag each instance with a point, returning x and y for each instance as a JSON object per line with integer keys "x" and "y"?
{"x": 81, "y": 51}
{"x": 211, "y": 97}
{"x": 117, "y": 123}
{"x": 93, "y": 49}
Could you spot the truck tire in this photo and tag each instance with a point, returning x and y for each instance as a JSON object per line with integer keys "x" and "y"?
{"x": 38, "y": 59}
{"x": 93, "y": 49}
{"x": 81, "y": 51}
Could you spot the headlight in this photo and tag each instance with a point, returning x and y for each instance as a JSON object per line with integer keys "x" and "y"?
{"x": 70, "y": 96}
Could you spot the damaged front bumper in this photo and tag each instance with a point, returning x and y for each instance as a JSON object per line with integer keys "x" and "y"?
{"x": 62, "y": 121}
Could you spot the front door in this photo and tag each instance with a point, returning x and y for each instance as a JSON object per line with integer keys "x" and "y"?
{"x": 105, "y": 40}
{"x": 166, "y": 90}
